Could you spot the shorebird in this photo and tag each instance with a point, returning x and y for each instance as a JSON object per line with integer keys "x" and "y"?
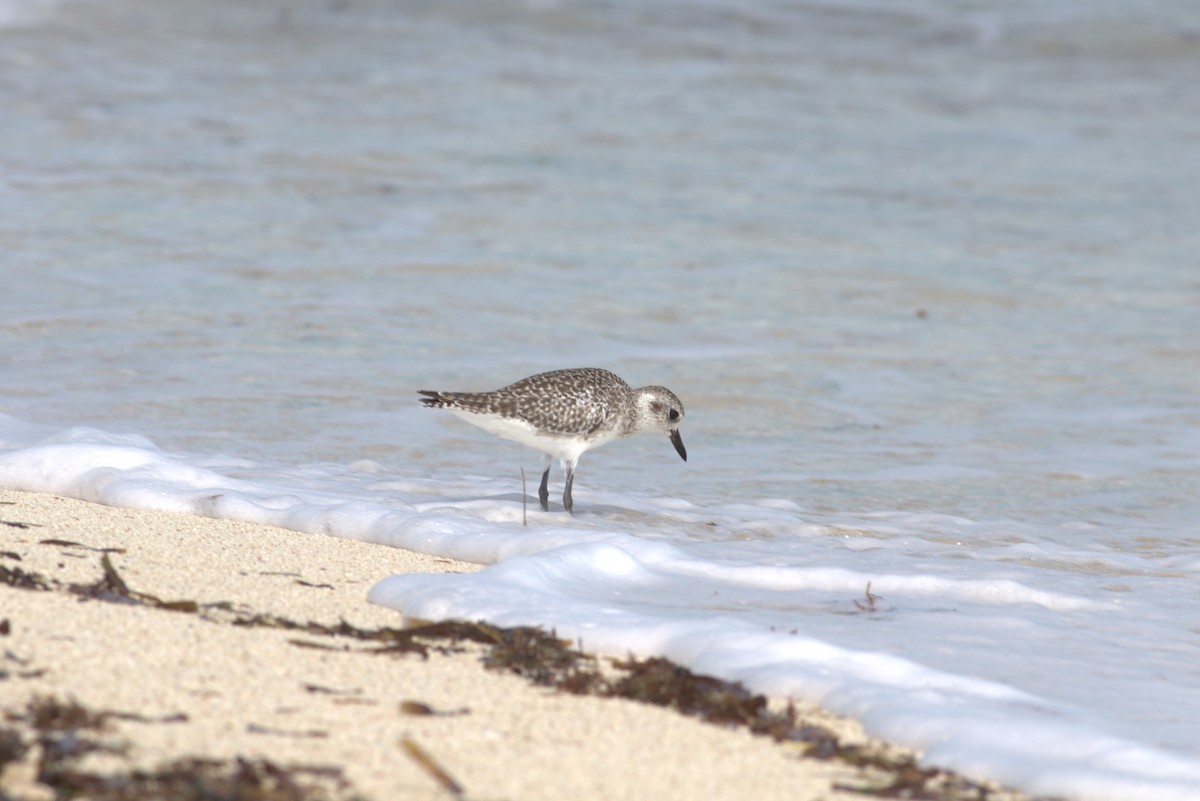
{"x": 563, "y": 413}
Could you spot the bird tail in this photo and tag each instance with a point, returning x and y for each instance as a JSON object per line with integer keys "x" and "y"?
{"x": 434, "y": 399}
{"x": 467, "y": 401}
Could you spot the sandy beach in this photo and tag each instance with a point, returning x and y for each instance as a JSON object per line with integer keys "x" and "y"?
{"x": 186, "y": 649}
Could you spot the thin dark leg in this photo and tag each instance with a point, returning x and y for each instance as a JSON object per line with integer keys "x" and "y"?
{"x": 544, "y": 491}
{"x": 569, "y": 504}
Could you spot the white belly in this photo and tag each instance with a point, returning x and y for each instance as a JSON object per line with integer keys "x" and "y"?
{"x": 559, "y": 446}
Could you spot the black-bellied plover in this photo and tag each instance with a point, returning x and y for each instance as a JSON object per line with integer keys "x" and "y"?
{"x": 563, "y": 413}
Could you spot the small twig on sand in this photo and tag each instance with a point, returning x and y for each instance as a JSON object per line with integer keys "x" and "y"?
{"x": 431, "y": 766}
{"x": 869, "y": 606}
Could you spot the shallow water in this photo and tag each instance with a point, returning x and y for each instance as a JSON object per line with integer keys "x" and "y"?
{"x": 924, "y": 276}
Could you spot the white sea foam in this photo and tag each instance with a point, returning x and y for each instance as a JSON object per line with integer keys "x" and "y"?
{"x": 798, "y": 630}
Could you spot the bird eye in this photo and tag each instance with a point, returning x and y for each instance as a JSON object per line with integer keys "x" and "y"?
{"x": 674, "y": 415}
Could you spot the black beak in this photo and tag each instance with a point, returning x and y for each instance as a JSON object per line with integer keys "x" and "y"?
{"x": 677, "y": 441}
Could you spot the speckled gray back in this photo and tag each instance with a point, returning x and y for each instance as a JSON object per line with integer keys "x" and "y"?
{"x": 582, "y": 400}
